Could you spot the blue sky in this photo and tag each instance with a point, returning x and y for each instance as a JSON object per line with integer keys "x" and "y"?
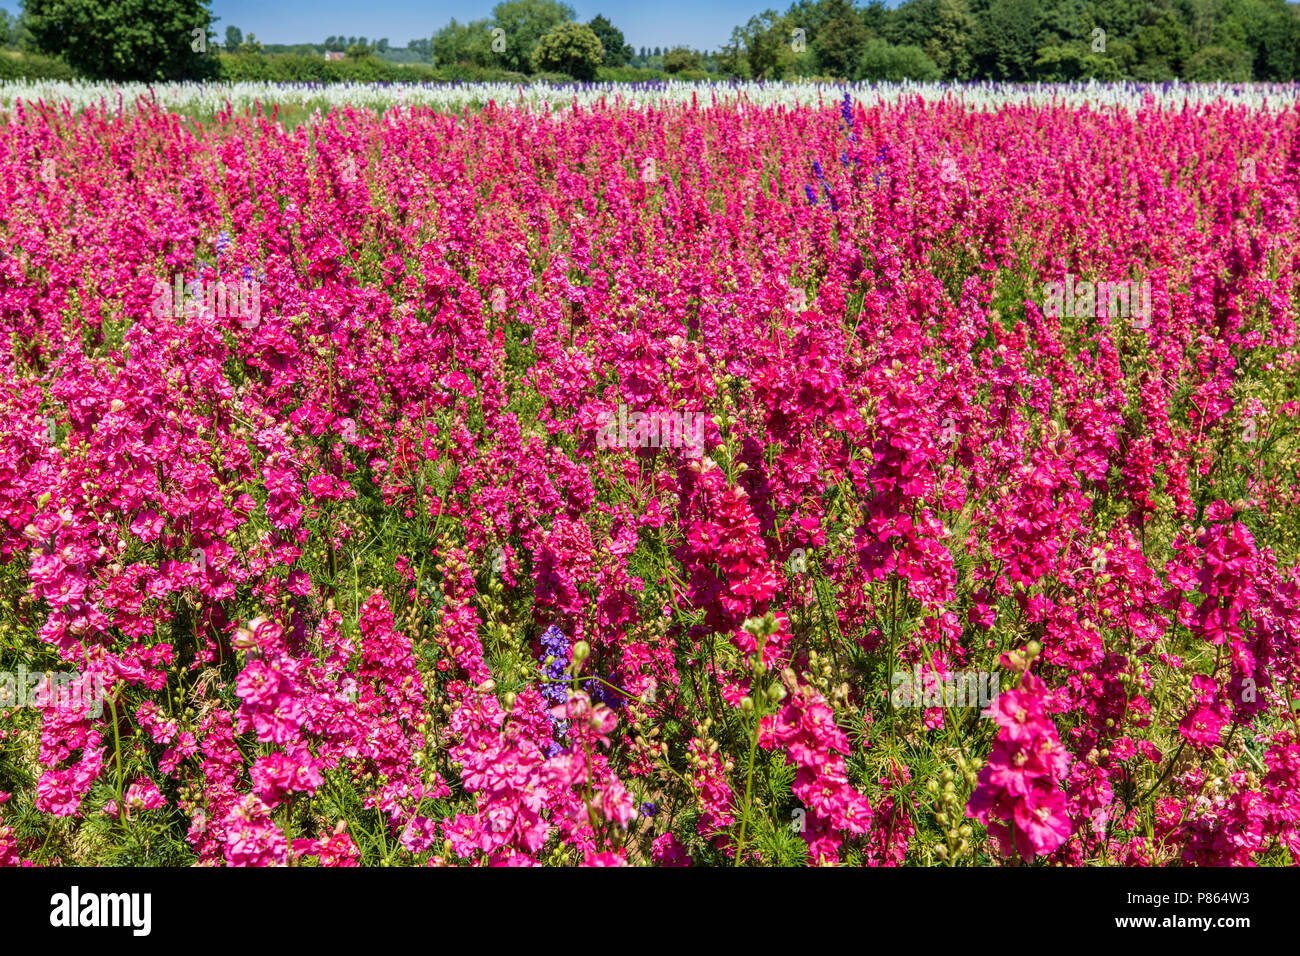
{"x": 648, "y": 23}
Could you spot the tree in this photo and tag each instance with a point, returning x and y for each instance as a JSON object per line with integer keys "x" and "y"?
{"x": 1053, "y": 40}
{"x": 874, "y": 17}
{"x": 1072, "y": 62}
{"x": 911, "y": 23}
{"x": 124, "y": 40}
{"x": 882, "y": 60}
{"x": 1009, "y": 39}
{"x": 952, "y": 39}
{"x": 732, "y": 60}
{"x": 463, "y": 43}
{"x": 1272, "y": 35}
{"x": 681, "y": 58}
{"x": 839, "y": 40}
{"x": 570, "y": 48}
{"x": 524, "y": 23}
{"x": 234, "y": 38}
{"x": 1162, "y": 48}
{"x": 769, "y": 41}
{"x": 617, "y": 52}
{"x": 11, "y": 30}
{"x": 1216, "y": 63}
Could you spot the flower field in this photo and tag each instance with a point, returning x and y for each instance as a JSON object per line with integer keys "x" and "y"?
{"x": 766, "y": 479}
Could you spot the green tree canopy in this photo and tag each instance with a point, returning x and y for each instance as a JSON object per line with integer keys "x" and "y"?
{"x": 570, "y": 48}
{"x": 839, "y": 39}
{"x": 617, "y": 52}
{"x": 682, "y": 58}
{"x": 524, "y": 23}
{"x": 464, "y": 43}
{"x": 882, "y": 60}
{"x": 125, "y": 40}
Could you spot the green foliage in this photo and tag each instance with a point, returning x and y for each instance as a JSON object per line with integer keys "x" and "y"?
{"x": 882, "y": 60}
{"x": 469, "y": 43}
{"x": 1058, "y": 40}
{"x": 570, "y": 48}
{"x": 33, "y": 66}
{"x": 548, "y": 76}
{"x": 1048, "y": 40}
{"x": 1009, "y": 39}
{"x": 627, "y": 74}
{"x": 525, "y": 22}
{"x": 1163, "y": 46}
{"x": 952, "y": 39}
{"x": 125, "y": 39}
{"x": 310, "y": 68}
{"x": 617, "y": 52}
{"x": 1063, "y": 64}
{"x": 682, "y": 58}
{"x": 839, "y": 40}
{"x": 1271, "y": 32}
{"x": 733, "y": 61}
{"x": 8, "y": 28}
{"x": 1217, "y": 63}
{"x": 769, "y": 44}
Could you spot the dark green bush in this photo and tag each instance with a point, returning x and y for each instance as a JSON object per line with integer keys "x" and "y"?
{"x": 33, "y": 66}
{"x": 628, "y": 74}
{"x": 550, "y": 77}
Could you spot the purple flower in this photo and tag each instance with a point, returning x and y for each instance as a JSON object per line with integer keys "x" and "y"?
{"x": 555, "y": 657}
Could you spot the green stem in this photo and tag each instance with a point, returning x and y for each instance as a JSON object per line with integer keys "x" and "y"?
{"x": 749, "y": 786}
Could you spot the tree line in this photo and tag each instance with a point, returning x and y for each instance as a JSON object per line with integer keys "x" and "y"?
{"x": 1009, "y": 40}
{"x": 1022, "y": 40}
